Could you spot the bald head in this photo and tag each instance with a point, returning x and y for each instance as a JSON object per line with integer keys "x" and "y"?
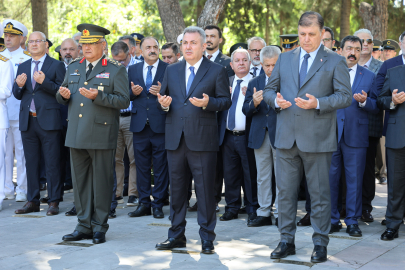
{"x": 69, "y": 50}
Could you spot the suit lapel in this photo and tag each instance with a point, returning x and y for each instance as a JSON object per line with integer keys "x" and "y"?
{"x": 218, "y": 59}
{"x": 96, "y": 70}
{"x": 182, "y": 77}
{"x": 295, "y": 65}
{"x": 44, "y": 68}
{"x": 140, "y": 72}
{"x": 403, "y": 77}
{"x": 200, "y": 74}
{"x": 320, "y": 59}
{"x": 29, "y": 75}
{"x": 357, "y": 79}
{"x": 159, "y": 73}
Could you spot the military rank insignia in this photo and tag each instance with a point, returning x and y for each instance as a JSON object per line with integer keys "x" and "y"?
{"x": 104, "y": 62}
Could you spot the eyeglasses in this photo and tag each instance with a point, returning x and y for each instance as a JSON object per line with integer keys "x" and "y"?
{"x": 255, "y": 51}
{"x": 36, "y": 41}
{"x": 326, "y": 39}
{"x": 368, "y": 41}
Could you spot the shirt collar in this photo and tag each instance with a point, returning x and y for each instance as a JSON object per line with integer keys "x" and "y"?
{"x": 312, "y": 54}
{"x": 368, "y": 62}
{"x": 246, "y": 78}
{"x": 252, "y": 66}
{"x": 93, "y": 63}
{"x": 403, "y": 58}
{"x": 214, "y": 55}
{"x": 155, "y": 65}
{"x": 41, "y": 60}
{"x": 354, "y": 68}
{"x": 196, "y": 65}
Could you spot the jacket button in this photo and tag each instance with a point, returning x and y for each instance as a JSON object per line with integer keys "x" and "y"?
{"x": 267, "y": 115}
{"x": 80, "y": 115}
{"x": 185, "y": 104}
{"x": 147, "y": 109}
{"x": 81, "y": 104}
{"x": 71, "y": 81}
{"x": 343, "y": 120}
{"x": 105, "y": 123}
{"x": 147, "y": 97}
{"x": 86, "y": 83}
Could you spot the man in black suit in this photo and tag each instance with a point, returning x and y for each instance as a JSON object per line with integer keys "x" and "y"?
{"x": 37, "y": 82}
{"x": 392, "y": 98}
{"x": 255, "y": 45}
{"x": 192, "y": 92}
{"x": 147, "y": 125}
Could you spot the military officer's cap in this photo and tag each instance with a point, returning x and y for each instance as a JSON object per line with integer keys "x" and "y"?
{"x": 390, "y": 44}
{"x": 1, "y": 41}
{"x": 238, "y": 46}
{"x": 57, "y": 49}
{"x": 377, "y": 45}
{"x": 50, "y": 44}
{"x": 91, "y": 33}
{"x": 14, "y": 27}
{"x": 289, "y": 40}
{"x": 138, "y": 37}
{"x": 180, "y": 39}
{"x": 336, "y": 46}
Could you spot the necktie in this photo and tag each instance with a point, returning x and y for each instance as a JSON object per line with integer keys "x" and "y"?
{"x": 303, "y": 71}
{"x": 254, "y": 72}
{"x": 232, "y": 110}
{"x": 350, "y": 74}
{"x": 365, "y": 66}
{"x": 89, "y": 71}
{"x": 209, "y": 56}
{"x": 148, "y": 82}
{"x": 33, "y": 82}
{"x": 190, "y": 79}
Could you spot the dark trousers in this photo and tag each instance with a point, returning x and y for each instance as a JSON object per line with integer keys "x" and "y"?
{"x": 352, "y": 159}
{"x": 148, "y": 146}
{"x": 219, "y": 177}
{"x": 35, "y": 139}
{"x": 65, "y": 174}
{"x": 237, "y": 171}
{"x": 396, "y": 187}
{"x": 201, "y": 165}
{"x": 369, "y": 174}
{"x": 93, "y": 183}
{"x": 114, "y": 201}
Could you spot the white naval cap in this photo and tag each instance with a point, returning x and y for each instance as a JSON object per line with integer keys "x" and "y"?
{"x": 14, "y": 27}
{"x": 180, "y": 39}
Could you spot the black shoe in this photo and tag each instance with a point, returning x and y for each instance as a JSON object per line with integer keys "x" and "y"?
{"x": 42, "y": 187}
{"x": 366, "y": 216}
{"x": 319, "y": 254}
{"x": 384, "y": 222}
{"x": 158, "y": 213}
{"x": 383, "y": 181}
{"x": 242, "y": 210}
{"x": 334, "y": 228}
{"x": 305, "y": 221}
{"x": 142, "y": 210}
{"x": 252, "y": 216}
{"x": 260, "y": 221}
{"x": 172, "y": 243}
{"x": 71, "y": 212}
{"x": 76, "y": 236}
{"x": 283, "y": 250}
{"x": 166, "y": 202}
{"x": 354, "y": 230}
{"x": 132, "y": 201}
{"x": 44, "y": 199}
{"x": 389, "y": 234}
{"x": 98, "y": 238}
{"x": 228, "y": 216}
{"x": 207, "y": 247}
{"x": 67, "y": 188}
{"x": 193, "y": 208}
{"x": 112, "y": 214}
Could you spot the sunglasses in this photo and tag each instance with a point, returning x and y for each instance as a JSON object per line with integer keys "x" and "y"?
{"x": 368, "y": 41}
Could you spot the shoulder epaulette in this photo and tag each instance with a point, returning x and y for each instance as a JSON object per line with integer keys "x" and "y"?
{"x": 114, "y": 62}
{"x": 27, "y": 53}
{"x": 75, "y": 60}
{"x": 2, "y": 50}
{"x": 3, "y": 58}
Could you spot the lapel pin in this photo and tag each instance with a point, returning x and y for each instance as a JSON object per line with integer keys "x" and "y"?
{"x": 321, "y": 60}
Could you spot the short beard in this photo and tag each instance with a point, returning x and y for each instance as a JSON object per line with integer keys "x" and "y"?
{"x": 212, "y": 48}
{"x": 255, "y": 62}
{"x": 67, "y": 60}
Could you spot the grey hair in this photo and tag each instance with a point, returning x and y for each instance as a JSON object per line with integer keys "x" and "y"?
{"x": 240, "y": 51}
{"x": 131, "y": 40}
{"x": 195, "y": 29}
{"x": 269, "y": 52}
{"x": 250, "y": 40}
{"x": 78, "y": 34}
{"x": 365, "y": 31}
{"x": 39, "y": 32}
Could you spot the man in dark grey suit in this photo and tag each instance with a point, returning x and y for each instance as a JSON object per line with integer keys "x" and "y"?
{"x": 375, "y": 128}
{"x": 306, "y": 129}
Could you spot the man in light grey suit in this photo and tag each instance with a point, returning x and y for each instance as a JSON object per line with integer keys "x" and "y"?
{"x": 306, "y": 130}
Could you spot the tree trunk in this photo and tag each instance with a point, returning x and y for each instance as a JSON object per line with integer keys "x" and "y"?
{"x": 211, "y": 12}
{"x": 40, "y": 16}
{"x": 345, "y": 18}
{"x": 267, "y": 36}
{"x": 375, "y": 18}
{"x": 172, "y": 18}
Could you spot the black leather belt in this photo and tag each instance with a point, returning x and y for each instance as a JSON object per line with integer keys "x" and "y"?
{"x": 125, "y": 114}
{"x": 236, "y": 133}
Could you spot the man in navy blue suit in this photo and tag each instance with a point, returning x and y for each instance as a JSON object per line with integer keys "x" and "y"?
{"x": 261, "y": 136}
{"x": 147, "y": 125}
{"x": 37, "y": 82}
{"x": 192, "y": 92}
{"x": 352, "y": 139}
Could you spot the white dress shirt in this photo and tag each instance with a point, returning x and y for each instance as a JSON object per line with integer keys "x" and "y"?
{"x": 403, "y": 59}
{"x": 240, "y": 118}
{"x": 145, "y": 70}
{"x": 93, "y": 63}
{"x": 259, "y": 68}
{"x": 196, "y": 67}
{"x": 214, "y": 55}
{"x": 40, "y": 64}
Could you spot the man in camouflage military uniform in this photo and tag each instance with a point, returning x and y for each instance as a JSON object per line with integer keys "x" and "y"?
{"x": 95, "y": 89}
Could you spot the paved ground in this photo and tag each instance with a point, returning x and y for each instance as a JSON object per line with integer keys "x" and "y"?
{"x": 34, "y": 242}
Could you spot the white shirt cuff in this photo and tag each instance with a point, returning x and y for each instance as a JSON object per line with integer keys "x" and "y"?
{"x": 317, "y": 102}
{"x": 275, "y": 103}
{"x": 166, "y": 109}
{"x": 362, "y": 104}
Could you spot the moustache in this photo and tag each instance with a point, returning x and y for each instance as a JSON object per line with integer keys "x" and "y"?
{"x": 350, "y": 56}
{"x": 152, "y": 53}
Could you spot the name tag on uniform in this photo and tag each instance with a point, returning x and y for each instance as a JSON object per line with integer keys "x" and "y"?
{"x": 101, "y": 88}
{"x": 103, "y": 75}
